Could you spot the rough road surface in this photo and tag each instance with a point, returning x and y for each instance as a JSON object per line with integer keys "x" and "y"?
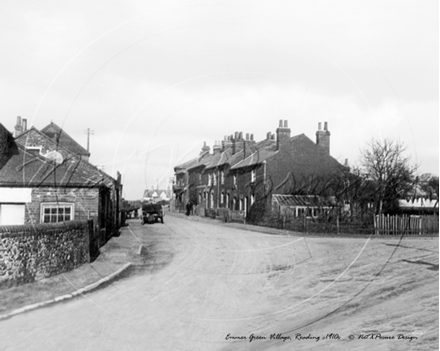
{"x": 207, "y": 286}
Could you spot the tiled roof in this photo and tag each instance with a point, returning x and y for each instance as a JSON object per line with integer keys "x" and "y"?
{"x": 29, "y": 169}
{"x": 304, "y": 200}
{"x": 195, "y": 162}
{"x": 65, "y": 140}
{"x": 35, "y": 138}
{"x": 202, "y": 160}
{"x": 256, "y": 158}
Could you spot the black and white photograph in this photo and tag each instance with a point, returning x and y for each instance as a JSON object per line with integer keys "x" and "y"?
{"x": 219, "y": 175}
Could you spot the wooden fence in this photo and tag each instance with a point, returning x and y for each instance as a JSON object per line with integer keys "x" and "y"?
{"x": 409, "y": 225}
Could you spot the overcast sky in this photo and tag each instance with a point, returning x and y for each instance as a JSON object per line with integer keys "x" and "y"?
{"x": 155, "y": 79}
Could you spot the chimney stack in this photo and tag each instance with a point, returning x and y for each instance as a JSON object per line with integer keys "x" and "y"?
{"x": 323, "y": 138}
{"x": 205, "y": 148}
{"x": 227, "y": 143}
{"x": 237, "y": 142}
{"x": 217, "y": 148}
{"x": 247, "y": 145}
{"x": 24, "y": 123}
{"x": 283, "y": 134}
{"x": 18, "y": 129}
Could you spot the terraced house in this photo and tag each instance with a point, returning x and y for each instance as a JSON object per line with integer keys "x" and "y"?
{"x": 242, "y": 175}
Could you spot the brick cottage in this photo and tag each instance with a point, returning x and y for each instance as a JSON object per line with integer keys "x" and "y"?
{"x": 42, "y": 181}
{"x": 241, "y": 175}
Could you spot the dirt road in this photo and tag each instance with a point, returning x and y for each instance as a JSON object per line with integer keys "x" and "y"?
{"x": 205, "y": 286}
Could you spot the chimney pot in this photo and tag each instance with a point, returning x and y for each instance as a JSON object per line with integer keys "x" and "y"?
{"x": 281, "y": 123}
{"x": 325, "y": 125}
{"x": 236, "y": 135}
{"x": 319, "y": 126}
{"x": 18, "y": 120}
{"x": 285, "y": 123}
{"x": 24, "y": 124}
{"x": 252, "y": 137}
{"x": 240, "y": 135}
{"x": 247, "y": 136}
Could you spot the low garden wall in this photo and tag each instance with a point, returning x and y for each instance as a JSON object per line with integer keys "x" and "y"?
{"x": 33, "y": 252}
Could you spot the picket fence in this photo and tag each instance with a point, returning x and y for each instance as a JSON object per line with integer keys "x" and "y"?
{"x": 408, "y": 225}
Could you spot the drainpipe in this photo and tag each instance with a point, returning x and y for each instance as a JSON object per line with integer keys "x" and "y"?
{"x": 218, "y": 187}
{"x": 264, "y": 165}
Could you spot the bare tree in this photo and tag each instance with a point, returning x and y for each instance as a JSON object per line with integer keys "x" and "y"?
{"x": 383, "y": 162}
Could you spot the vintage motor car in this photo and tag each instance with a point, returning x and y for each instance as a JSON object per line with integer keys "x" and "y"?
{"x": 151, "y": 212}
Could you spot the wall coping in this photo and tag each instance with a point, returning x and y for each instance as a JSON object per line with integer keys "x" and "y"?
{"x": 32, "y": 229}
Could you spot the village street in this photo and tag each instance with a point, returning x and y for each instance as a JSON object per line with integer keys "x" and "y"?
{"x": 205, "y": 285}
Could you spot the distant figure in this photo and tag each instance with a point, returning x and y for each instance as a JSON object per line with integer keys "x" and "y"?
{"x": 188, "y": 208}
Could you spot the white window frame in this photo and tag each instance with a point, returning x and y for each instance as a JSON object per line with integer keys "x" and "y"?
{"x": 57, "y": 205}
{"x": 209, "y": 178}
{"x": 222, "y": 177}
{"x": 234, "y": 178}
{"x": 253, "y": 175}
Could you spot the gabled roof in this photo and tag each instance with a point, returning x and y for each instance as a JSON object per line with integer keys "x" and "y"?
{"x": 264, "y": 150}
{"x": 29, "y": 169}
{"x": 150, "y": 193}
{"x": 191, "y": 163}
{"x": 65, "y": 140}
{"x": 221, "y": 159}
{"x": 304, "y": 200}
{"x": 255, "y": 158}
{"x": 267, "y": 149}
{"x": 35, "y": 138}
{"x": 201, "y": 161}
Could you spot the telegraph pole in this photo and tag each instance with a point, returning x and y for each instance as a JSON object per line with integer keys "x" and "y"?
{"x": 88, "y": 132}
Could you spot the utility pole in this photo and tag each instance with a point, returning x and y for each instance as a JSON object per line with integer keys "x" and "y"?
{"x": 88, "y": 132}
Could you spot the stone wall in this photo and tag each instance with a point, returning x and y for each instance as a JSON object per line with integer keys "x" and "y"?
{"x": 33, "y": 252}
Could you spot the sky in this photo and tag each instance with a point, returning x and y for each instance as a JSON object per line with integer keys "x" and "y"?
{"x": 154, "y": 80}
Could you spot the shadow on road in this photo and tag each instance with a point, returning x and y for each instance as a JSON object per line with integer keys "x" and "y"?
{"x": 433, "y": 267}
